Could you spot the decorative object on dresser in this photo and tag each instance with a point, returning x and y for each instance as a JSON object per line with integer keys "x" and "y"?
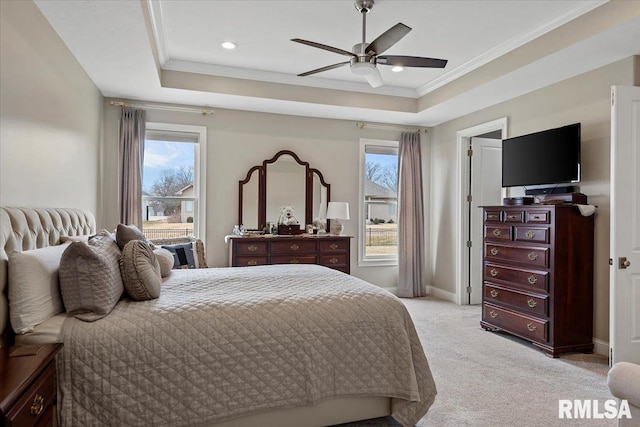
{"x": 330, "y": 251}
{"x": 287, "y": 222}
{"x": 538, "y": 275}
{"x": 283, "y": 180}
{"x": 337, "y": 211}
{"x": 28, "y": 387}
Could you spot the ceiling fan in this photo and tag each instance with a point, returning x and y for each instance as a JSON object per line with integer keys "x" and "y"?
{"x": 365, "y": 56}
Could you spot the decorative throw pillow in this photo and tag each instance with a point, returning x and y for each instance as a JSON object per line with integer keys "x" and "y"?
{"x": 90, "y": 280}
{"x": 165, "y": 258}
{"x": 140, "y": 271}
{"x": 201, "y": 258}
{"x": 188, "y": 255}
{"x": 126, "y": 233}
{"x": 34, "y": 292}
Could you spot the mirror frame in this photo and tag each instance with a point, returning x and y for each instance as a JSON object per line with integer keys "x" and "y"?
{"x": 262, "y": 188}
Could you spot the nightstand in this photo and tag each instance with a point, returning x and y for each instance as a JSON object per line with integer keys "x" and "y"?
{"x": 28, "y": 385}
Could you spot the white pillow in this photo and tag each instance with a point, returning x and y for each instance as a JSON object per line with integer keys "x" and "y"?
{"x": 34, "y": 290}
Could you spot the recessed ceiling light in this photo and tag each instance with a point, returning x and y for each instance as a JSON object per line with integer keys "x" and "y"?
{"x": 397, "y": 68}
{"x": 229, "y": 45}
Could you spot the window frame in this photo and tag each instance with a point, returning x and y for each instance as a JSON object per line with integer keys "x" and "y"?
{"x": 363, "y": 260}
{"x": 199, "y": 171}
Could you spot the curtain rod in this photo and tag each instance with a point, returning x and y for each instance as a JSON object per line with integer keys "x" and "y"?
{"x": 202, "y": 111}
{"x": 362, "y": 125}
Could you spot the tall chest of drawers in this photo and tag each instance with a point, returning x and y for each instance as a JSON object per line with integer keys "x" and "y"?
{"x": 538, "y": 275}
{"x": 329, "y": 251}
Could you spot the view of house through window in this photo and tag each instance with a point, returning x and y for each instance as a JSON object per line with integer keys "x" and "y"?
{"x": 168, "y": 185}
{"x": 380, "y": 233}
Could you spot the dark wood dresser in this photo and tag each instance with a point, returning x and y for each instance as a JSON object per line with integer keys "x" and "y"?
{"x": 538, "y": 275}
{"x": 328, "y": 250}
{"x": 28, "y": 385}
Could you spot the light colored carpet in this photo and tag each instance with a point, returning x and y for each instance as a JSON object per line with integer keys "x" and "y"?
{"x": 493, "y": 379}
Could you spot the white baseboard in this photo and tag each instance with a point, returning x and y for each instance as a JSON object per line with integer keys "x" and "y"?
{"x": 601, "y": 347}
{"x": 442, "y": 294}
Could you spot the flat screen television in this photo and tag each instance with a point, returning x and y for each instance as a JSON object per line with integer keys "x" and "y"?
{"x": 548, "y": 157}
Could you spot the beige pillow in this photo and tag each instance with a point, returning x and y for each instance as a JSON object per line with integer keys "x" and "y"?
{"x": 140, "y": 271}
{"x": 90, "y": 280}
{"x": 165, "y": 258}
{"x": 34, "y": 292}
{"x": 83, "y": 238}
{"x": 127, "y": 233}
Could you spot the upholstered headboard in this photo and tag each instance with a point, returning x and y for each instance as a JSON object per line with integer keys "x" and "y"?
{"x": 22, "y": 229}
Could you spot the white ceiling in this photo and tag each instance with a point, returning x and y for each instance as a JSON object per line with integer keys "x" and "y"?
{"x": 122, "y": 44}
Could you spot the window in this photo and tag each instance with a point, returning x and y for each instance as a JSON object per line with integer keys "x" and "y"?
{"x": 173, "y": 178}
{"x": 378, "y": 243}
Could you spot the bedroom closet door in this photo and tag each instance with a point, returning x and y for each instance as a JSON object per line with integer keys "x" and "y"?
{"x": 624, "y": 312}
{"x": 485, "y": 190}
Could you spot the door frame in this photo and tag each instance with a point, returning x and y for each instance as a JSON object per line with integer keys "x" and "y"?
{"x": 463, "y": 137}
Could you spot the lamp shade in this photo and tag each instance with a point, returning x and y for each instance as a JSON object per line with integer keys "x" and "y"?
{"x": 338, "y": 210}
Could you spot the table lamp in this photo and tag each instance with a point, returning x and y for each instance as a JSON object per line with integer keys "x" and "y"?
{"x": 335, "y": 212}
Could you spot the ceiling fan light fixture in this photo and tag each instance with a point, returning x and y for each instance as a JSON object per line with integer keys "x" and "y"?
{"x": 363, "y": 68}
{"x": 397, "y": 68}
{"x": 228, "y": 45}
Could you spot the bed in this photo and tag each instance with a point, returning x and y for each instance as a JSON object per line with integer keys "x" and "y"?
{"x": 273, "y": 345}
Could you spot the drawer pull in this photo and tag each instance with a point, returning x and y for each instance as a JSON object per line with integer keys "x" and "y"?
{"x": 494, "y": 251}
{"x": 252, "y": 262}
{"x": 530, "y": 234}
{"x": 512, "y": 216}
{"x": 533, "y": 256}
{"x": 294, "y": 247}
{"x": 531, "y": 302}
{"x": 494, "y": 293}
{"x": 493, "y": 217}
{"x": 252, "y": 248}
{"x": 493, "y": 314}
{"x": 333, "y": 246}
{"x": 494, "y": 272}
{"x": 532, "y": 279}
{"x": 294, "y": 261}
{"x": 333, "y": 260}
{"x": 497, "y": 232}
{"x": 37, "y": 406}
{"x": 531, "y": 327}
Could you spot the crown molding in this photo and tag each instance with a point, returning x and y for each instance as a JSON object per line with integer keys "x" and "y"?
{"x": 283, "y": 78}
{"x": 159, "y": 34}
{"x": 507, "y": 47}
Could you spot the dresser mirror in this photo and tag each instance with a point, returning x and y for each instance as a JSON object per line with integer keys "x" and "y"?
{"x": 283, "y": 180}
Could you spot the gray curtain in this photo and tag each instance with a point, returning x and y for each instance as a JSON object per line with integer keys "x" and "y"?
{"x": 132, "y": 129}
{"x": 410, "y": 218}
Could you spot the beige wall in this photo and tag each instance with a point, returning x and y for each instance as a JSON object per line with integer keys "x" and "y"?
{"x": 238, "y": 140}
{"x": 584, "y": 99}
{"x": 50, "y": 116}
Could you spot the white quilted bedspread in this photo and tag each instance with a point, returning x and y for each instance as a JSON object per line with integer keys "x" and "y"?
{"x": 223, "y": 342}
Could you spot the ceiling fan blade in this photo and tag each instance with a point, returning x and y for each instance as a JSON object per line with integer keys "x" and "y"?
{"x": 327, "y": 68}
{"x": 323, "y": 46}
{"x": 374, "y": 79}
{"x": 388, "y": 38}
{"x": 411, "y": 61}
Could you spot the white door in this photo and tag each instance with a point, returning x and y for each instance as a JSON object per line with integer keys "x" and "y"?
{"x": 624, "y": 277}
{"x": 486, "y": 189}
